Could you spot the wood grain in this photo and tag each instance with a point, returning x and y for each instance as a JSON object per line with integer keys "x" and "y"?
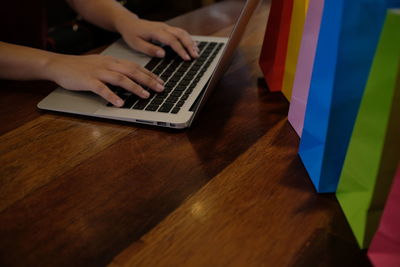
{"x": 46, "y": 147}
{"x": 231, "y": 190}
{"x": 18, "y": 102}
{"x": 254, "y": 213}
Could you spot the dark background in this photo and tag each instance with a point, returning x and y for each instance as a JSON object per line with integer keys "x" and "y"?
{"x": 67, "y": 33}
{"x": 53, "y": 25}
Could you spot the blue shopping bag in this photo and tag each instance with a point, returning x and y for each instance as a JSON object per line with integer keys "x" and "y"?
{"x": 348, "y": 38}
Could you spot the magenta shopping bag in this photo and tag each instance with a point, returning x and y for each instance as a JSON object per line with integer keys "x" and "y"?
{"x": 305, "y": 64}
{"x": 385, "y": 247}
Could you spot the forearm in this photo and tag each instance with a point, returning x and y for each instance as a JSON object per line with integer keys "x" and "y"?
{"x": 103, "y": 13}
{"x": 24, "y": 63}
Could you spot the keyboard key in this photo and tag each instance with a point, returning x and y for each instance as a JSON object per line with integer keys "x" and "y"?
{"x": 151, "y": 94}
{"x": 180, "y": 103}
{"x": 180, "y": 88}
{"x": 212, "y": 44}
{"x": 168, "y": 72}
{"x": 191, "y": 73}
{"x": 172, "y": 99}
{"x": 152, "y": 63}
{"x": 141, "y": 104}
{"x": 206, "y": 53}
{"x": 185, "y": 65}
{"x": 157, "y": 101}
{"x": 174, "y": 79}
{"x": 184, "y": 83}
{"x": 188, "y": 91}
{"x": 152, "y": 107}
{"x": 130, "y": 101}
{"x": 175, "y": 110}
{"x": 187, "y": 78}
{"x": 184, "y": 97}
{"x": 176, "y": 93}
{"x": 167, "y": 90}
{"x": 195, "y": 68}
{"x": 166, "y": 107}
{"x": 120, "y": 92}
{"x": 162, "y": 98}
{"x": 169, "y": 84}
{"x": 165, "y": 76}
{"x": 163, "y": 94}
{"x": 201, "y": 45}
{"x": 174, "y": 65}
{"x": 163, "y": 64}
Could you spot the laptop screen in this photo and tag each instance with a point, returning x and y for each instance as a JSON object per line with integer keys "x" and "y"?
{"x": 230, "y": 47}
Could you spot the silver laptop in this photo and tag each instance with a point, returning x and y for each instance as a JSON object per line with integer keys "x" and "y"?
{"x": 187, "y": 84}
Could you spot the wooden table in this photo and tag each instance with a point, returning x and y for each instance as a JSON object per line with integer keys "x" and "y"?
{"x": 231, "y": 191}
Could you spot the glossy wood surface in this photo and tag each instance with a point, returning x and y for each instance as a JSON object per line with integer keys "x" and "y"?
{"x": 231, "y": 191}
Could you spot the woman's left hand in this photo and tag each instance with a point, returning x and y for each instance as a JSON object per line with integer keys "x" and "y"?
{"x": 139, "y": 33}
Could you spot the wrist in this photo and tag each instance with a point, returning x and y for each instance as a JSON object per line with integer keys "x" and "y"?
{"x": 49, "y": 65}
{"x": 124, "y": 18}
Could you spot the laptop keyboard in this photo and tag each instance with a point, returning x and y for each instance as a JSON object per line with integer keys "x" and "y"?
{"x": 180, "y": 78}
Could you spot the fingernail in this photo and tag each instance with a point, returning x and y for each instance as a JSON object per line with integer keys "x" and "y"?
{"x": 186, "y": 57}
{"x": 160, "y": 53}
{"x": 160, "y": 87}
{"x": 119, "y": 103}
{"x": 145, "y": 93}
{"x": 159, "y": 80}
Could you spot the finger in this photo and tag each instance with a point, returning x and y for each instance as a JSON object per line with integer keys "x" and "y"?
{"x": 148, "y": 48}
{"x": 187, "y": 41}
{"x": 119, "y": 79}
{"x": 102, "y": 90}
{"x": 169, "y": 39}
{"x": 133, "y": 66}
{"x": 140, "y": 75}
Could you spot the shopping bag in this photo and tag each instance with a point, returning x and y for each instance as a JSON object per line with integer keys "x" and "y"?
{"x": 385, "y": 246}
{"x": 273, "y": 52}
{"x": 373, "y": 153}
{"x": 298, "y": 101}
{"x": 347, "y": 41}
{"x": 299, "y": 13}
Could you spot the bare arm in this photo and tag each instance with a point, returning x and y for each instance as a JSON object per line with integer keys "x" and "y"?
{"x": 103, "y": 13}
{"x": 83, "y": 73}
{"x": 95, "y": 72}
{"x": 23, "y": 63}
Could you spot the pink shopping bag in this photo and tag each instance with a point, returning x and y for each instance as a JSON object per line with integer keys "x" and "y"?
{"x": 305, "y": 64}
{"x": 385, "y": 247}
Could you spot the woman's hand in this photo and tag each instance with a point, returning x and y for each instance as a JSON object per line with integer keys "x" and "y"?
{"x": 94, "y": 72}
{"x": 139, "y": 33}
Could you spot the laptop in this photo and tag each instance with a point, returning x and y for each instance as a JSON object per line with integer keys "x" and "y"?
{"x": 187, "y": 84}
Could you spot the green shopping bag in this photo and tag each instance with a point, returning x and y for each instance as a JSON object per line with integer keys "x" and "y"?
{"x": 373, "y": 152}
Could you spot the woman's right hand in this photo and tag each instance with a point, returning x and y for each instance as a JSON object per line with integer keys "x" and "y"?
{"x": 94, "y": 72}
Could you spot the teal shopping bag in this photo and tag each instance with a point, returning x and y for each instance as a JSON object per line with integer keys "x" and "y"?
{"x": 348, "y": 38}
